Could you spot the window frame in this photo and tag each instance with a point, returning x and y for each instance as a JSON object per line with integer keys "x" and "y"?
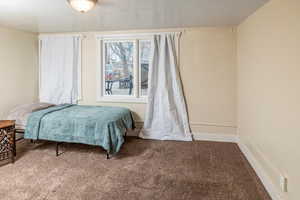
{"x": 137, "y": 92}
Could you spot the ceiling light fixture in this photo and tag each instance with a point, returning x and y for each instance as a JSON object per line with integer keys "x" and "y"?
{"x": 82, "y": 5}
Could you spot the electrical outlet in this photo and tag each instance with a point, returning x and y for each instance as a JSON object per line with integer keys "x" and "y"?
{"x": 284, "y": 183}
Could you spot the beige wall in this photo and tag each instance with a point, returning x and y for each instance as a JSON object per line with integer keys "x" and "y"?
{"x": 269, "y": 89}
{"x": 18, "y": 69}
{"x": 208, "y": 64}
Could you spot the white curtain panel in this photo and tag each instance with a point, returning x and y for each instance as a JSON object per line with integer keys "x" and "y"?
{"x": 166, "y": 116}
{"x": 60, "y": 65}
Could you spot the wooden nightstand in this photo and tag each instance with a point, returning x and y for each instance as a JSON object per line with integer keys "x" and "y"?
{"x": 7, "y": 140}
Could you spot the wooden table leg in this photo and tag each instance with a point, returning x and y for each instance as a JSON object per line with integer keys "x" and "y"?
{"x": 15, "y": 146}
{"x": 14, "y": 151}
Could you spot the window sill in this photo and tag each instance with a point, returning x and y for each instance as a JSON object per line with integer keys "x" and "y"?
{"x": 122, "y": 100}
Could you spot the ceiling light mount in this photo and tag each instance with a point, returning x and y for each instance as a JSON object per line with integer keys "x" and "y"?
{"x": 82, "y": 6}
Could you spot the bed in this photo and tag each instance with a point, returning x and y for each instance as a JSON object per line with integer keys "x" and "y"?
{"x": 93, "y": 125}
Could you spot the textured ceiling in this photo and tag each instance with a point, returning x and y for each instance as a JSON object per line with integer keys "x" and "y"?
{"x": 57, "y": 16}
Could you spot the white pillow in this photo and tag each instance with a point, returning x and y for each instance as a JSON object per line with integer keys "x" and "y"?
{"x": 21, "y": 113}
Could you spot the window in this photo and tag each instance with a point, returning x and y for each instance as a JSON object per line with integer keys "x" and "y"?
{"x": 145, "y": 50}
{"x": 124, "y": 67}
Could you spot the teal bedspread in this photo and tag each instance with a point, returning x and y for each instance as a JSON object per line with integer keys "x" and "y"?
{"x": 94, "y": 125}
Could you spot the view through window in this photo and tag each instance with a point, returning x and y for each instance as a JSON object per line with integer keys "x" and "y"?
{"x": 145, "y": 50}
{"x": 126, "y": 67}
{"x": 119, "y": 68}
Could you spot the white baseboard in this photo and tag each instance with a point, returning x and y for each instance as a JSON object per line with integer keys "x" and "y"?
{"x": 260, "y": 171}
{"x": 215, "y": 137}
{"x": 199, "y": 136}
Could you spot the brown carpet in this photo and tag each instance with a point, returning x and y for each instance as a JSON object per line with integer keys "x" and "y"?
{"x": 144, "y": 169}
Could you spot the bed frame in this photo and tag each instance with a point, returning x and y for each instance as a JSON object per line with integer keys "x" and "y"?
{"x": 21, "y": 131}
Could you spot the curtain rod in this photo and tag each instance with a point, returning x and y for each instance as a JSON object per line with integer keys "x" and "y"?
{"x": 113, "y": 34}
{"x": 99, "y": 35}
{"x": 61, "y": 35}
